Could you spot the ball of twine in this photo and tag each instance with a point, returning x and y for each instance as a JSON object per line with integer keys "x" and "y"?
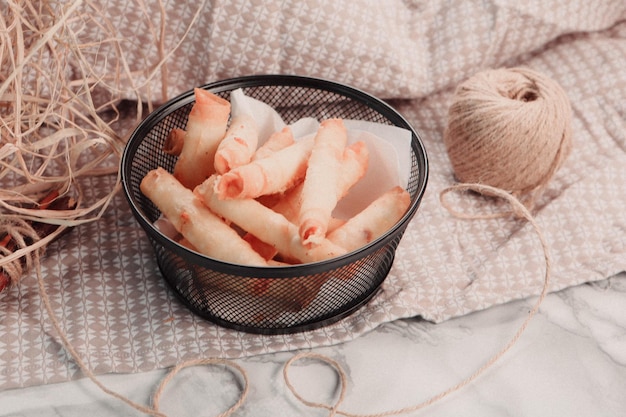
{"x": 510, "y": 129}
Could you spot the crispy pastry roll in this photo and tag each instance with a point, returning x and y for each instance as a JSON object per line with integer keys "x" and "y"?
{"x": 277, "y": 141}
{"x": 266, "y": 225}
{"x": 273, "y": 174}
{"x": 374, "y": 220}
{"x": 206, "y": 127}
{"x": 320, "y": 190}
{"x": 205, "y": 231}
{"x": 353, "y": 167}
{"x": 239, "y": 144}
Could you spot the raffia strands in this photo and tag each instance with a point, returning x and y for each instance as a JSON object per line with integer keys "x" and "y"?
{"x": 59, "y": 112}
{"x": 510, "y": 129}
{"x": 58, "y": 126}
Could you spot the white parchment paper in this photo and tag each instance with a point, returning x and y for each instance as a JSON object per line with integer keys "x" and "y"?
{"x": 389, "y": 149}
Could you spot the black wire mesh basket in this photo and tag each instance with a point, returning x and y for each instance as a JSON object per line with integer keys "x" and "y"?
{"x": 281, "y": 299}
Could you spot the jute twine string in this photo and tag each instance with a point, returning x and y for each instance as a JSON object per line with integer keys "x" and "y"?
{"x": 522, "y": 211}
{"x": 156, "y": 398}
{"x": 509, "y": 128}
{"x": 508, "y": 132}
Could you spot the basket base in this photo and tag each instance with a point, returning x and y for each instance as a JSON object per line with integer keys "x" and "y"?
{"x": 278, "y": 329}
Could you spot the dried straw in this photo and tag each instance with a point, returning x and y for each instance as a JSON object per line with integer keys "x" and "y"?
{"x": 60, "y": 123}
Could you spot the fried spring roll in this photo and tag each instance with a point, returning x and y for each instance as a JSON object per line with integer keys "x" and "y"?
{"x": 378, "y": 217}
{"x": 267, "y": 251}
{"x": 277, "y": 141}
{"x": 238, "y": 145}
{"x": 273, "y": 174}
{"x": 353, "y": 167}
{"x": 206, "y": 127}
{"x": 205, "y": 231}
{"x": 174, "y": 142}
{"x": 266, "y": 225}
{"x": 279, "y": 295}
{"x": 334, "y": 223}
{"x": 319, "y": 190}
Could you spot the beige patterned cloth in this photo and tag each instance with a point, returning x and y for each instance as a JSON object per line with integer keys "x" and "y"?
{"x": 103, "y": 281}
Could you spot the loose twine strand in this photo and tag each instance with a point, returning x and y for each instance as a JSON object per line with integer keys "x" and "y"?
{"x": 518, "y": 210}
{"x": 508, "y": 132}
{"x": 153, "y": 409}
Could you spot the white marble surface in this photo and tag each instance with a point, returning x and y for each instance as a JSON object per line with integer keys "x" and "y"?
{"x": 570, "y": 361}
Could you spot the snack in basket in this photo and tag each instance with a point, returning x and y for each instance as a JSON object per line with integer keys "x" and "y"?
{"x": 205, "y": 129}
{"x": 353, "y": 166}
{"x": 277, "y": 141}
{"x": 238, "y": 145}
{"x": 274, "y": 174}
{"x": 207, "y": 232}
{"x": 319, "y": 190}
{"x": 267, "y": 204}
{"x": 267, "y": 225}
{"x": 373, "y": 221}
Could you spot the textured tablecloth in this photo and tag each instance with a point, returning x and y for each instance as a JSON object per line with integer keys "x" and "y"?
{"x": 116, "y": 309}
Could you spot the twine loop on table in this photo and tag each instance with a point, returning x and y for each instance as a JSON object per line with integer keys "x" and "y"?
{"x": 328, "y": 361}
{"x": 518, "y": 209}
{"x": 152, "y": 410}
{"x": 156, "y": 398}
{"x": 509, "y": 131}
